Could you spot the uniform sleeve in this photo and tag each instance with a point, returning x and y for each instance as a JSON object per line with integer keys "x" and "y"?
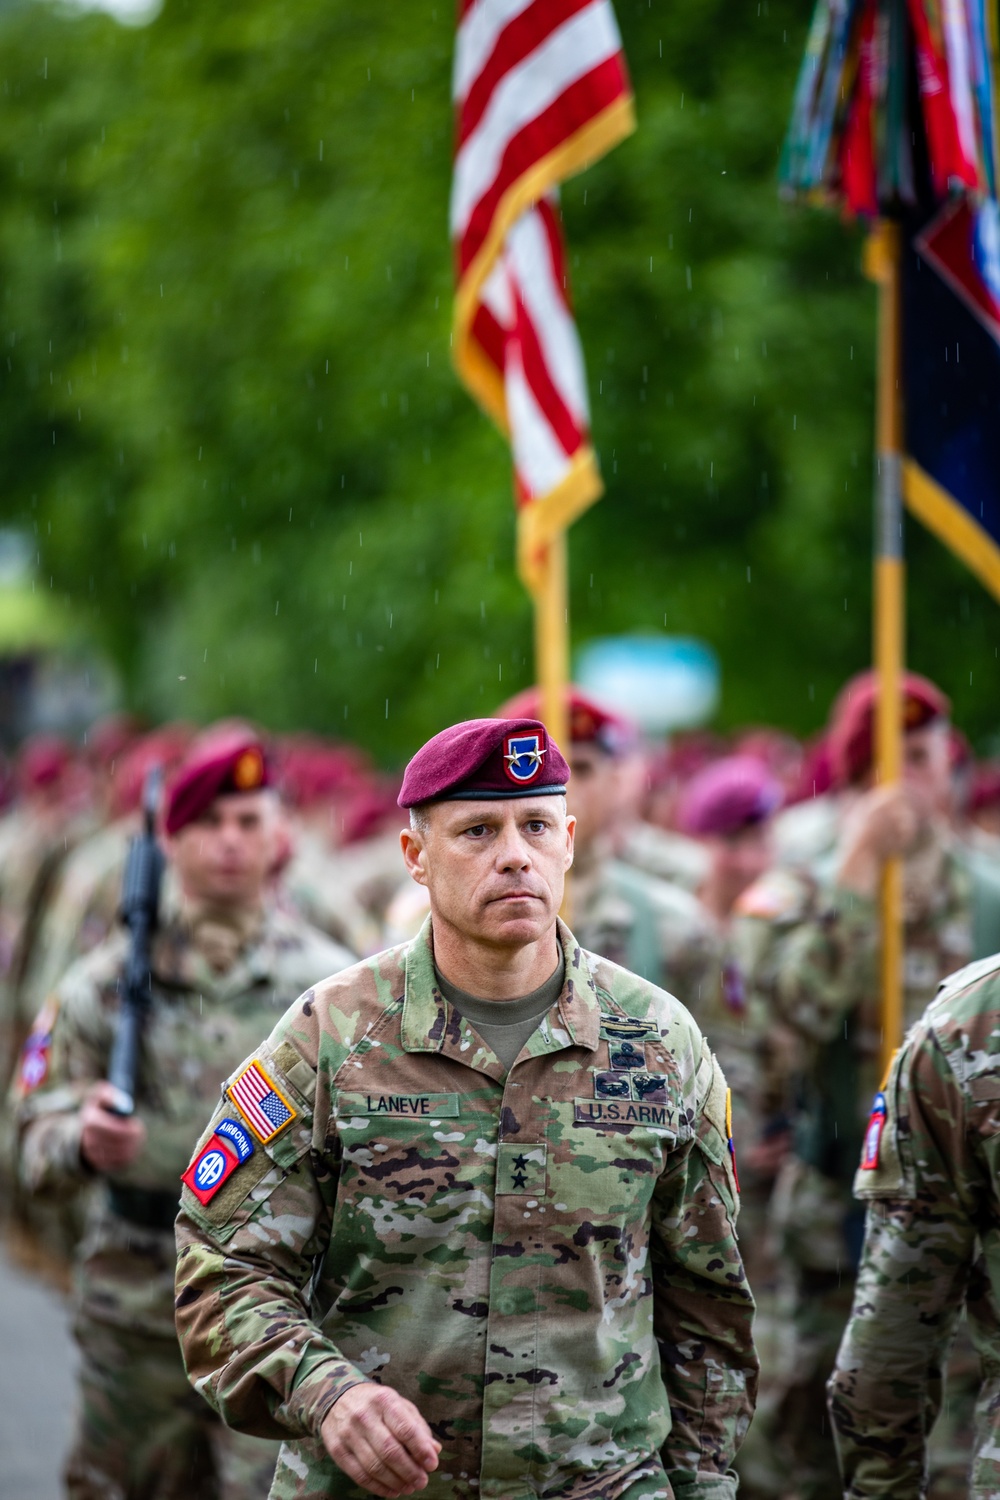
{"x": 245, "y": 1263}
{"x": 703, "y": 1308}
{"x": 67, "y": 1050}
{"x": 919, "y": 1247}
{"x": 816, "y": 968}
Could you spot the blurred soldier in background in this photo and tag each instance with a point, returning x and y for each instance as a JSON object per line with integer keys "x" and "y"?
{"x": 51, "y": 814}
{"x": 226, "y": 964}
{"x": 809, "y": 943}
{"x": 647, "y": 924}
{"x": 932, "y": 1245}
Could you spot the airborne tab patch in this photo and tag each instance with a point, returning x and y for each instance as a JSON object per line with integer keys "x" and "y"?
{"x": 261, "y": 1103}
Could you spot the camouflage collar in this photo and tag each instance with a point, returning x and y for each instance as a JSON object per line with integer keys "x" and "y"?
{"x": 428, "y": 1019}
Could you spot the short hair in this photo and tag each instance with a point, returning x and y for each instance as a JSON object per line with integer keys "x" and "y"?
{"x": 420, "y": 817}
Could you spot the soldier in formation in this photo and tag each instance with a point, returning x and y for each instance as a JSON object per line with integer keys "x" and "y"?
{"x": 761, "y": 919}
{"x": 497, "y": 1153}
{"x": 226, "y": 963}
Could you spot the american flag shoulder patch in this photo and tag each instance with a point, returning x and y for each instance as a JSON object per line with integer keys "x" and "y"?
{"x": 261, "y": 1103}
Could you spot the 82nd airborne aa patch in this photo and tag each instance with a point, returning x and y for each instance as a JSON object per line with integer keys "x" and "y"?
{"x": 216, "y": 1162}
{"x": 873, "y": 1135}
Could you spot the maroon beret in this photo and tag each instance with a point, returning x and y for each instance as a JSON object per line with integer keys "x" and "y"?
{"x": 731, "y": 794}
{"x": 590, "y": 722}
{"x": 42, "y": 760}
{"x": 485, "y": 759}
{"x": 852, "y": 733}
{"x": 219, "y": 763}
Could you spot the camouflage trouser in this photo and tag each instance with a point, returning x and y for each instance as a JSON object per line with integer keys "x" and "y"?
{"x": 142, "y": 1433}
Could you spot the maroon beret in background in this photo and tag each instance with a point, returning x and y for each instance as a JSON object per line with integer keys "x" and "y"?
{"x": 590, "y": 722}
{"x": 485, "y": 759}
{"x": 731, "y": 794}
{"x": 223, "y": 761}
{"x": 852, "y": 732}
{"x": 43, "y": 759}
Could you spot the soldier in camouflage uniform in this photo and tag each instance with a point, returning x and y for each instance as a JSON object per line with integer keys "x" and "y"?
{"x": 484, "y": 1245}
{"x": 225, "y": 966}
{"x": 929, "y": 1177}
{"x": 810, "y": 942}
{"x": 649, "y": 925}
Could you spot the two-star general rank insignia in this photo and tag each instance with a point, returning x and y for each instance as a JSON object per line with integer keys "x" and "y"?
{"x": 521, "y": 1169}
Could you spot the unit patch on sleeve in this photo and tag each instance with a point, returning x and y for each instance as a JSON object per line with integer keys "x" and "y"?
{"x": 261, "y": 1103}
{"x": 216, "y": 1162}
{"x": 34, "y": 1065}
{"x": 873, "y": 1135}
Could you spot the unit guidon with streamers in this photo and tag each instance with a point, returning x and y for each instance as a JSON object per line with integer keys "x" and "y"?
{"x": 261, "y": 1103}
{"x": 540, "y": 90}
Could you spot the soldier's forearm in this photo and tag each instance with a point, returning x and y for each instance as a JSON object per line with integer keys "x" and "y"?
{"x": 49, "y": 1157}
{"x": 256, "y": 1356}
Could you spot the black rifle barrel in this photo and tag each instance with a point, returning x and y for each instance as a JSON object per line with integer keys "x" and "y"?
{"x": 139, "y": 910}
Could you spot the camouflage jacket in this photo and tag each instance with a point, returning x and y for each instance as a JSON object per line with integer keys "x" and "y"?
{"x": 930, "y": 1177}
{"x": 201, "y": 1023}
{"x": 545, "y": 1261}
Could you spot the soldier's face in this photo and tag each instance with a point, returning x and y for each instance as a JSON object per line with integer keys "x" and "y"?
{"x": 741, "y": 858}
{"x": 228, "y": 854}
{"x": 596, "y": 793}
{"x": 495, "y": 871}
{"x": 927, "y": 764}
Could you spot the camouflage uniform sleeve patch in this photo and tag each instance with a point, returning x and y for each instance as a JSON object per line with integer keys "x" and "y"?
{"x": 255, "y": 1179}
{"x": 886, "y": 1169}
{"x": 717, "y": 1140}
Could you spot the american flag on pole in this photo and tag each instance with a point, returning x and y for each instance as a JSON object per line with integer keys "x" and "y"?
{"x": 262, "y": 1105}
{"x": 541, "y": 90}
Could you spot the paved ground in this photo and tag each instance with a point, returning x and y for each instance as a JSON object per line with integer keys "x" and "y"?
{"x": 36, "y": 1386}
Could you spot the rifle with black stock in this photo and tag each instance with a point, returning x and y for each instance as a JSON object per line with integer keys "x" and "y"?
{"x": 139, "y": 911}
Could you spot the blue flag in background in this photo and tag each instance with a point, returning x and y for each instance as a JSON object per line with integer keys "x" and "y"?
{"x": 951, "y": 374}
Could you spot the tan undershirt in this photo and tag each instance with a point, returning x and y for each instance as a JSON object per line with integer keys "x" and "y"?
{"x": 520, "y": 1020}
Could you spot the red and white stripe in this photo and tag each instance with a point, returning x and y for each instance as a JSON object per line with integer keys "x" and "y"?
{"x": 540, "y": 89}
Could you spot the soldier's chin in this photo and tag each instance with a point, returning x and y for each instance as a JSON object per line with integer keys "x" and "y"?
{"x": 517, "y": 926}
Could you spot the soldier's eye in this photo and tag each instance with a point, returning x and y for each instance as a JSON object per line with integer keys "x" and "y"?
{"x": 477, "y": 830}
{"x": 537, "y": 825}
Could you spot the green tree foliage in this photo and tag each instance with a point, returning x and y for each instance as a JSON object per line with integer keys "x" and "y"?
{"x": 228, "y": 413}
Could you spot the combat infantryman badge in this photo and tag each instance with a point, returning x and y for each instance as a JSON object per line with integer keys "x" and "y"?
{"x": 873, "y": 1135}
{"x": 523, "y": 755}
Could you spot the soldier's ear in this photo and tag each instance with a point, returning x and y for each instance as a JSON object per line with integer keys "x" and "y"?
{"x": 414, "y": 855}
{"x": 570, "y": 838}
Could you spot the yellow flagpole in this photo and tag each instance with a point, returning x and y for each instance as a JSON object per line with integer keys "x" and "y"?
{"x": 883, "y": 264}
{"x": 552, "y": 639}
{"x": 551, "y": 595}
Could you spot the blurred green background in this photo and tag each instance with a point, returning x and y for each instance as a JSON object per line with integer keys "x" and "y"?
{"x": 229, "y": 422}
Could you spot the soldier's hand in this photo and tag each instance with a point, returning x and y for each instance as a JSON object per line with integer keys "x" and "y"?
{"x": 380, "y": 1440}
{"x": 108, "y": 1142}
{"x": 886, "y": 823}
